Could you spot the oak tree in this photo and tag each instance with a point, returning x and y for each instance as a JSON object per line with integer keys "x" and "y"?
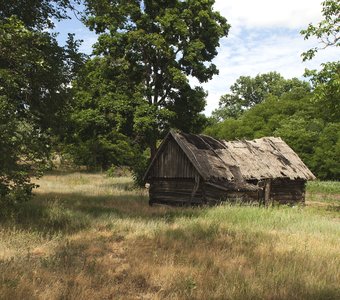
{"x": 161, "y": 44}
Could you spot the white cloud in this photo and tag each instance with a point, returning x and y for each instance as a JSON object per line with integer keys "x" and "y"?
{"x": 264, "y": 37}
{"x": 270, "y": 13}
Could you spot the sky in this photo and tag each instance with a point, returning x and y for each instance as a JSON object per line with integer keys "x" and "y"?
{"x": 264, "y": 36}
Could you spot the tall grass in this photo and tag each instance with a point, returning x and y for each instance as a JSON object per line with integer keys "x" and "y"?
{"x": 324, "y": 187}
{"x": 87, "y": 236}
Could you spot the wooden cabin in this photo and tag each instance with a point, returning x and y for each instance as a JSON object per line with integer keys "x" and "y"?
{"x": 190, "y": 169}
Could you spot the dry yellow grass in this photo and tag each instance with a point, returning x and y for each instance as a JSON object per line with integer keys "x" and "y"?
{"x": 86, "y": 236}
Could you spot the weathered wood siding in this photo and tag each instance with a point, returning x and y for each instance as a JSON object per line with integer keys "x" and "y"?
{"x": 179, "y": 191}
{"x": 288, "y": 191}
{"x": 284, "y": 191}
{"x": 214, "y": 195}
{"x": 172, "y": 163}
{"x": 172, "y": 178}
{"x": 172, "y": 191}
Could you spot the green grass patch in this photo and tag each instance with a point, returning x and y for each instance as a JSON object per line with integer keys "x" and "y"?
{"x": 323, "y": 187}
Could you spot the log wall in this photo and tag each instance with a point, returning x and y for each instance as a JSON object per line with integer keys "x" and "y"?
{"x": 175, "y": 191}
{"x": 179, "y": 192}
{"x": 215, "y": 195}
{"x": 287, "y": 191}
{"x": 284, "y": 191}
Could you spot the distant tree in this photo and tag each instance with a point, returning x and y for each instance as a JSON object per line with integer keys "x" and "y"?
{"x": 326, "y": 85}
{"x": 325, "y": 160}
{"x": 248, "y": 91}
{"x": 160, "y": 44}
{"x": 326, "y": 92}
{"x": 326, "y": 31}
{"x": 35, "y": 73}
{"x": 299, "y": 120}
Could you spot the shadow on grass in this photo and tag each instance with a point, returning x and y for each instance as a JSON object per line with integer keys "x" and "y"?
{"x": 203, "y": 261}
{"x": 123, "y": 206}
{"x": 333, "y": 208}
{"x": 71, "y": 212}
{"x": 223, "y": 259}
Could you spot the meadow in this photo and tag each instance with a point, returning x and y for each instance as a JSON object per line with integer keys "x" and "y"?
{"x": 89, "y": 236}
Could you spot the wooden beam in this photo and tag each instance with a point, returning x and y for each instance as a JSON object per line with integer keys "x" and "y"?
{"x": 267, "y": 188}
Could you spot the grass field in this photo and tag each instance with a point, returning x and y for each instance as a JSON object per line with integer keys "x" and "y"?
{"x": 86, "y": 236}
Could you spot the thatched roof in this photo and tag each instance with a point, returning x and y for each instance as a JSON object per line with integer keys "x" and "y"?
{"x": 264, "y": 158}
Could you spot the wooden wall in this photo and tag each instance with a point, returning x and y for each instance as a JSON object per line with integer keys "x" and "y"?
{"x": 179, "y": 192}
{"x": 175, "y": 191}
{"x": 288, "y": 191}
{"x": 284, "y": 191}
{"x": 214, "y": 195}
{"x": 172, "y": 163}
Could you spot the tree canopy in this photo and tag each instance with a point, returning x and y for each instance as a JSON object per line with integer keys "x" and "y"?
{"x": 35, "y": 73}
{"x": 248, "y": 91}
{"x": 159, "y": 44}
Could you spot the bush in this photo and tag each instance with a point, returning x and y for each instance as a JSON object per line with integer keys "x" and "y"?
{"x": 139, "y": 167}
{"x": 118, "y": 171}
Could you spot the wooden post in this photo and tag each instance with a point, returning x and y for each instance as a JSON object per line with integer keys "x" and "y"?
{"x": 267, "y": 192}
{"x": 303, "y": 195}
{"x": 195, "y": 188}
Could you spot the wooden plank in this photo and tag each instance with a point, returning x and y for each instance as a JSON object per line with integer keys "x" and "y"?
{"x": 172, "y": 163}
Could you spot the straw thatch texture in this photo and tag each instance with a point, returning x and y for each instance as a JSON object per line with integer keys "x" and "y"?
{"x": 264, "y": 158}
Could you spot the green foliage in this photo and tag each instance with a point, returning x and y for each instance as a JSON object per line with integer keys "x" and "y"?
{"x": 326, "y": 31}
{"x": 160, "y": 44}
{"x": 37, "y": 14}
{"x": 326, "y": 96}
{"x": 102, "y": 116}
{"x": 327, "y": 152}
{"x": 247, "y": 92}
{"x": 34, "y": 74}
{"x": 139, "y": 166}
{"x": 22, "y": 148}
